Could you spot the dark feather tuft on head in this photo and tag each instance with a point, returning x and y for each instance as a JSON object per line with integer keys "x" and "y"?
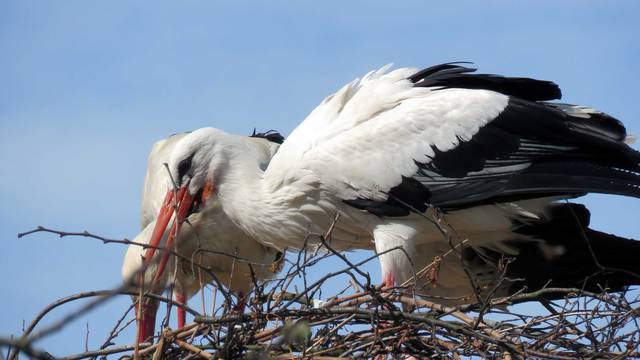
{"x": 271, "y": 135}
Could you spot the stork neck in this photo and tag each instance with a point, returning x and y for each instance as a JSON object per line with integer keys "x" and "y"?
{"x": 262, "y": 212}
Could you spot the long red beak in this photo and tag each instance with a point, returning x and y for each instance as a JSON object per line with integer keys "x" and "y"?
{"x": 176, "y": 202}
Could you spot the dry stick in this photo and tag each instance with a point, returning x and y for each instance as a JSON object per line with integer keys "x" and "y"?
{"x": 458, "y": 315}
{"x": 441, "y": 218}
{"x": 383, "y": 331}
{"x": 25, "y": 339}
{"x": 325, "y": 243}
{"x": 116, "y": 241}
{"x": 174, "y": 276}
{"x": 102, "y": 295}
{"x": 493, "y": 334}
{"x": 433, "y": 263}
{"x": 561, "y": 315}
{"x": 562, "y": 320}
{"x": 201, "y": 284}
{"x": 352, "y": 300}
{"x": 129, "y": 242}
{"x": 333, "y": 331}
{"x": 197, "y": 351}
{"x": 365, "y": 313}
{"x": 214, "y": 299}
{"x": 233, "y": 267}
{"x": 534, "y": 295}
{"x": 196, "y": 266}
{"x": 86, "y": 339}
{"x": 25, "y": 347}
{"x": 444, "y": 232}
{"x": 485, "y": 347}
{"x": 158, "y": 354}
{"x": 145, "y": 348}
{"x": 368, "y": 345}
{"x": 123, "y": 242}
{"x": 114, "y": 332}
{"x": 59, "y": 302}
{"x": 290, "y": 357}
{"x": 107, "y": 351}
{"x": 336, "y": 273}
{"x": 270, "y": 332}
{"x": 485, "y": 303}
{"x": 56, "y": 326}
{"x": 89, "y": 235}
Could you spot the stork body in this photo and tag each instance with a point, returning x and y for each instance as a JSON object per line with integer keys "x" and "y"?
{"x": 489, "y": 153}
{"x": 209, "y": 244}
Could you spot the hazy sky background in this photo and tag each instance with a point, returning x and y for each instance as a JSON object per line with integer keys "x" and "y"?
{"x": 86, "y": 87}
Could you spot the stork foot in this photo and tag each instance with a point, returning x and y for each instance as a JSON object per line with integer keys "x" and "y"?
{"x": 388, "y": 283}
{"x": 388, "y": 280}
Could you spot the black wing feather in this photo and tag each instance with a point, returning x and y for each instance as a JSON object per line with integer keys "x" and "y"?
{"x": 586, "y": 258}
{"x": 451, "y": 75}
{"x": 529, "y": 150}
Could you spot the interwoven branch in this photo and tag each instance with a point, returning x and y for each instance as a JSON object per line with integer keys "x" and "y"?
{"x": 364, "y": 320}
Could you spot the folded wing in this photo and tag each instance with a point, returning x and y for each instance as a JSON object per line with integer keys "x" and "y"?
{"x": 397, "y": 142}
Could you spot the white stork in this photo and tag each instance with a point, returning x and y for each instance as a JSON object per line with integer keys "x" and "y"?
{"x": 207, "y": 237}
{"x": 490, "y": 153}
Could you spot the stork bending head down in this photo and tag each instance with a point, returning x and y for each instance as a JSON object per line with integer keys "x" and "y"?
{"x": 400, "y": 154}
{"x": 207, "y": 243}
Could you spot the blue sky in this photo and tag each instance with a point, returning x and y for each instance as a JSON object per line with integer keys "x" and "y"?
{"x": 87, "y": 87}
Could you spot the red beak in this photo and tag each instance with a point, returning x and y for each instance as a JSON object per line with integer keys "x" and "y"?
{"x": 176, "y": 202}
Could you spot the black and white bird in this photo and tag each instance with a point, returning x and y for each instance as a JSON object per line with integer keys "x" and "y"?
{"x": 206, "y": 239}
{"x": 490, "y": 155}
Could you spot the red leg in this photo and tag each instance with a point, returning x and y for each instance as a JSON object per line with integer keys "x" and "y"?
{"x": 147, "y": 321}
{"x": 180, "y": 298}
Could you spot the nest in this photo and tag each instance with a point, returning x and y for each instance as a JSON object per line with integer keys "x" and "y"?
{"x": 285, "y": 319}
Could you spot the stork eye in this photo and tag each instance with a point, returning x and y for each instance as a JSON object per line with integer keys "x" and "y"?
{"x": 184, "y": 166}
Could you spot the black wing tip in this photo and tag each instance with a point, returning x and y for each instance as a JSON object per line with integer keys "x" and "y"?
{"x": 454, "y": 75}
{"x": 438, "y": 69}
{"x": 271, "y": 135}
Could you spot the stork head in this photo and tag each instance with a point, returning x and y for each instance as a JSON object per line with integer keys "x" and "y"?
{"x": 194, "y": 166}
{"x": 196, "y": 163}
{"x": 200, "y": 164}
